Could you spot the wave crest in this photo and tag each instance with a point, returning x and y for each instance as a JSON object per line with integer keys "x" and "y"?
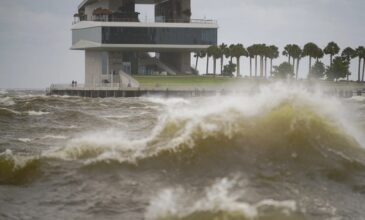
{"x": 290, "y": 124}
{"x": 219, "y": 201}
{"x": 5, "y": 112}
{"x": 6, "y": 101}
{"x": 17, "y": 169}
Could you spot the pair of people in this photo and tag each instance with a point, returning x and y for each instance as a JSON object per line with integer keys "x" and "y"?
{"x": 74, "y": 83}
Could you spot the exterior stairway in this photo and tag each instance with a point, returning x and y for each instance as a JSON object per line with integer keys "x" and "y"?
{"x": 147, "y": 59}
{"x": 127, "y": 81}
{"x": 163, "y": 66}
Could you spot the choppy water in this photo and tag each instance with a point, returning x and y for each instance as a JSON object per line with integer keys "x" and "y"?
{"x": 282, "y": 153}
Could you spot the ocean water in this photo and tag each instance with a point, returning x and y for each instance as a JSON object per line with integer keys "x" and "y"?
{"x": 280, "y": 153}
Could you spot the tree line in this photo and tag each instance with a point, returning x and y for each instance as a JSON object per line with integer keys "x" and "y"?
{"x": 260, "y": 54}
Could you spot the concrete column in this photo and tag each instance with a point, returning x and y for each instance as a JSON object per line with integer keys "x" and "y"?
{"x": 93, "y": 67}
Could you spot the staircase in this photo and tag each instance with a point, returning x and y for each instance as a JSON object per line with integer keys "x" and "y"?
{"x": 127, "y": 81}
{"x": 147, "y": 59}
{"x": 163, "y": 66}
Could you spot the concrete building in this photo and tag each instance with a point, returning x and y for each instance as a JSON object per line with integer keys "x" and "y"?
{"x": 117, "y": 43}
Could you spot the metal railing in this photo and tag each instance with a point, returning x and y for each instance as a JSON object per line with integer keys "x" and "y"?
{"x": 117, "y": 86}
{"x": 106, "y": 19}
{"x": 101, "y": 86}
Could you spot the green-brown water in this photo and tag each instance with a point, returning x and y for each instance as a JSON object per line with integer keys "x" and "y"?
{"x": 281, "y": 153}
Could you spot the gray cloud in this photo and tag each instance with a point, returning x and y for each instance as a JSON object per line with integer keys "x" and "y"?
{"x": 35, "y": 35}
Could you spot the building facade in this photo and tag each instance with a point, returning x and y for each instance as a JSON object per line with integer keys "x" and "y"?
{"x": 117, "y": 43}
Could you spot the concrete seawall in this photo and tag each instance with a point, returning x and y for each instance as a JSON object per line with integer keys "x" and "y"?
{"x": 340, "y": 89}
{"x": 100, "y": 93}
{"x": 117, "y": 93}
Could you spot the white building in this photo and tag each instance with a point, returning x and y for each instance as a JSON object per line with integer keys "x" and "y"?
{"x": 116, "y": 43}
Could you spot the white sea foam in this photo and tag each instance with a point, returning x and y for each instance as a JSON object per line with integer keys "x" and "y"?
{"x": 220, "y": 197}
{"x": 3, "y": 92}
{"x": 37, "y": 113}
{"x": 60, "y": 137}
{"x": 17, "y": 161}
{"x": 116, "y": 116}
{"x": 168, "y": 101}
{"x": 24, "y": 140}
{"x": 28, "y": 96}
{"x": 358, "y": 98}
{"x": 6, "y": 101}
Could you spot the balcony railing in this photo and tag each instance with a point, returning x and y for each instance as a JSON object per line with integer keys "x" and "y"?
{"x": 111, "y": 19}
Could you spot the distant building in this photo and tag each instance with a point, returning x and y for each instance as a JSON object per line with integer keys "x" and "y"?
{"x": 117, "y": 42}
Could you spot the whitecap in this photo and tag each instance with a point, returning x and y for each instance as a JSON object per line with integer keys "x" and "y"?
{"x": 177, "y": 126}
{"x": 168, "y": 101}
{"x": 24, "y": 140}
{"x": 7, "y": 101}
{"x": 116, "y": 116}
{"x": 37, "y": 113}
{"x": 17, "y": 160}
{"x": 60, "y": 137}
{"x": 220, "y": 197}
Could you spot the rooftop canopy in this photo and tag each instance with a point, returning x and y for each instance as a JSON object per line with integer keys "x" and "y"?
{"x": 86, "y": 2}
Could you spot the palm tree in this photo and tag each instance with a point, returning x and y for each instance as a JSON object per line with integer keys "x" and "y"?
{"x": 238, "y": 51}
{"x": 197, "y": 55}
{"x": 319, "y": 54}
{"x": 256, "y": 54}
{"x": 363, "y": 64}
{"x": 214, "y": 52}
{"x": 230, "y": 52}
{"x": 348, "y": 53}
{"x": 223, "y": 51}
{"x": 287, "y": 51}
{"x": 267, "y": 54}
{"x": 208, "y": 54}
{"x": 251, "y": 54}
{"x": 261, "y": 51}
{"x": 296, "y": 53}
{"x": 273, "y": 54}
{"x": 331, "y": 49}
{"x": 360, "y": 54}
{"x": 310, "y": 50}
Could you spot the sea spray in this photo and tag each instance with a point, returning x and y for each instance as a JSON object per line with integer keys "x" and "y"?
{"x": 224, "y": 200}
{"x": 278, "y": 115}
{"x": 293, "y": 149}
{"x": 6, "y": 101}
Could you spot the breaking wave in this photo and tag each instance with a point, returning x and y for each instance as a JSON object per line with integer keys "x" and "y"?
{"x": 5, "y": 112}
{"x": 15, "y": 169}
{"x": 221, "y": 201}
{"x": 6, "y": 101}
{"x": 278, "y": 123}
{"x": 37, "y": 113}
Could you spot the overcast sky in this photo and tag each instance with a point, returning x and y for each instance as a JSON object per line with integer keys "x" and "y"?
{"x": 35, "y": 35}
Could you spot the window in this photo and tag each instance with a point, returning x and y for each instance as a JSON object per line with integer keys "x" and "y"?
{"x": 147, "y": 35}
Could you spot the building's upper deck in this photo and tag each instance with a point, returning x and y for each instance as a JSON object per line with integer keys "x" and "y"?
{"x": 106, "y": 24}
{"x": 169, "y": 11}
{"x": 107, "y": 20}
{"x": 87, "y": 2}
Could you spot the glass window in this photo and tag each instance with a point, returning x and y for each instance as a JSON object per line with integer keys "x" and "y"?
{"x": 147, "y": 35}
